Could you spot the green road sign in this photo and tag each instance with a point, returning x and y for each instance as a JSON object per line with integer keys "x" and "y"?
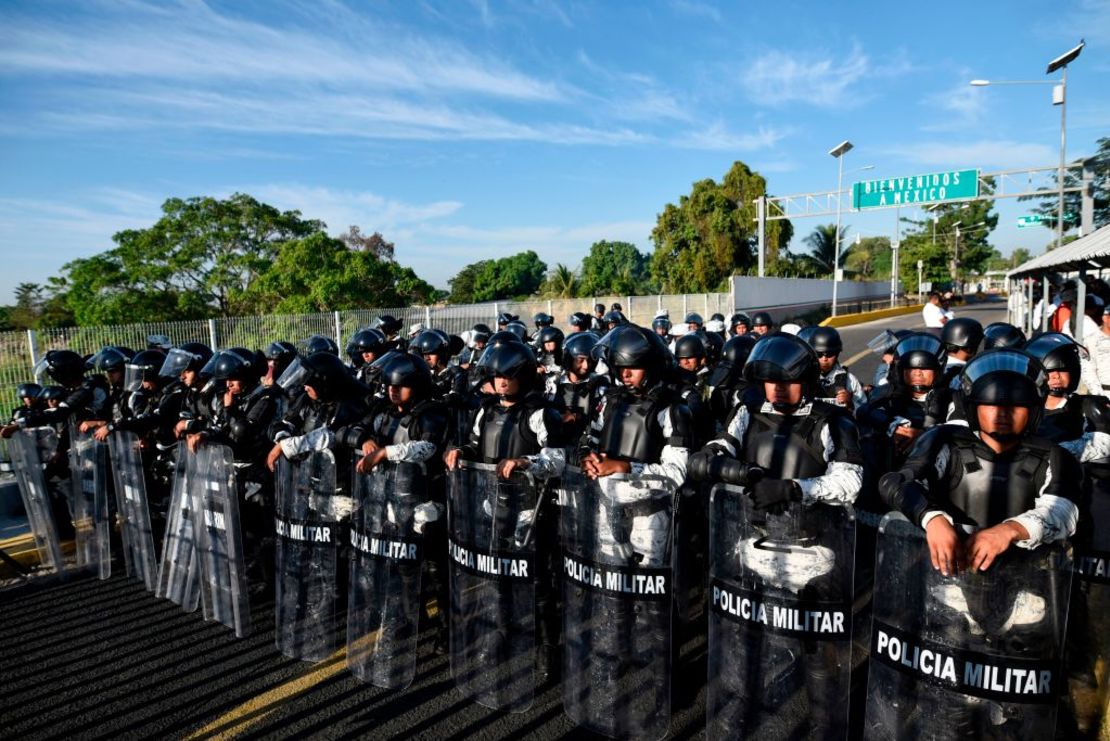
{"x": 1031, "y": 220}
{"x": 917, "y": 189}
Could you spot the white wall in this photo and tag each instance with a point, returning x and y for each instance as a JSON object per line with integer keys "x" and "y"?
{"x": 794, "y": 295}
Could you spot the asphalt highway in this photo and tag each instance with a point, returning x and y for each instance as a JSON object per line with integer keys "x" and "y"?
{"x": 90, "y": 659}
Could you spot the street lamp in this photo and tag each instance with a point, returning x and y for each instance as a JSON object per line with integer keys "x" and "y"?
{"x": 1059, "y": 97}
{"x": 838, "y": 151}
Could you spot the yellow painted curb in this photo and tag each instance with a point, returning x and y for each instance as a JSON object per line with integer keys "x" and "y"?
{"x": 847, "y": 320}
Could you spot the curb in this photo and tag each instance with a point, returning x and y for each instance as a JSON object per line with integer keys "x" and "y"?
{"x": 847, "y": 320}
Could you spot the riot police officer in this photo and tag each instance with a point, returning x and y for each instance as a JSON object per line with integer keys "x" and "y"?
{"x": 577, "y": 390}
{"x": 961, "y": 337}
{"x": 762, "y": 323}
{"x": 838, "y": 385}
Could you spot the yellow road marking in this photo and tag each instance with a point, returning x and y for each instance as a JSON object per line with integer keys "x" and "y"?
{"x": 857, "y": 356}
{"x": 238, "y": 720}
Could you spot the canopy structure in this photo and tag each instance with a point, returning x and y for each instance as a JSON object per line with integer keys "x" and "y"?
{"x": 1086, "y": 253}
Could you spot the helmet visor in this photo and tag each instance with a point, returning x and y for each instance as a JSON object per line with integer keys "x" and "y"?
{"x": 133, "y": 377}
{"x": 177, "y": 360}
{"x": 40, "y": 369}
{"x": 294, "y": 376}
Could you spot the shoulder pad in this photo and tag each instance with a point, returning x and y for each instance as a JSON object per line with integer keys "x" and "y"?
{"x": 1096, "y": 410}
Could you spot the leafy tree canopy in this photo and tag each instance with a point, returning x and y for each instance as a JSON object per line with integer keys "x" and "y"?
{"x": 515, "y": 276}
{"x": 711, "y": 233}
{"x": 615, "y": 269}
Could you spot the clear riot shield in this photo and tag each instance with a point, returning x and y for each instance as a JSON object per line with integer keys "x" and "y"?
{"x": 493, "y": 590}
{"x": 305, "y": 554}
{"x": 30, "y": 449}
{"x": 178, "y": 574}
{"x": 969, "y": 656}
{"x": 132, "y": 508}
{"x": 383, "y": 609}
{"x": 219, "y": 541}
{"x": 780, "y": 619}
{"x": 618, "y": 597}
{"x": 1088, "y": 638}
{"x": 88, "y": 465}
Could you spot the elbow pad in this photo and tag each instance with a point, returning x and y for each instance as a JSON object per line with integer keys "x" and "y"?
{"x": 908, "y": 497}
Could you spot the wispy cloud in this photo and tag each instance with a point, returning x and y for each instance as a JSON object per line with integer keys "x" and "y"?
{"x": 341, "y": 208}
{"x": 982, "y": 154}
{"x": 778, "y": 77}
{"x": 717, "y": 136}
{"x": 962, "y": 106}
{"x": 696, "y": 9}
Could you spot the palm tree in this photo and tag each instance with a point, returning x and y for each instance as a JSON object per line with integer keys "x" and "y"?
{"x": 562, "y": 283}
{"x": 822, "y": 244}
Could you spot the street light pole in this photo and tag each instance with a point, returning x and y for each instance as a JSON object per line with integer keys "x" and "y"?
{"x": 838, "y": 151}
{"x": 1059, "y": 97}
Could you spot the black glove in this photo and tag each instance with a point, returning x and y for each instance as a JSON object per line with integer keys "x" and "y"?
{"x": 774, "y": 493}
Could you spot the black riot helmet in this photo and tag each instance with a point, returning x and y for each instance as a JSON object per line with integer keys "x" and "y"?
{"x": 694, "y": 318}
{"x": 504, "y": 318}
{"x": 714, "y": 344}
{"x": 363, "y": 341}
{"x": 52, "y": 393}
{"x": 108, "y": 359}
{"x": 661, "y": 323}
{"x": 431, "y": 342}
{"x": 64, "y": 366}
{"x": 917, "y": 350}
{"x": 1057, "y": 352}
{"x": 330, "y": 378}
{"x": 1004, "y": 377}
{"x": 513, "y": 360}
{"x": 962, "y": 333}
{"x": 143, "y": 367}
{"x": 737, "y": 349}
{"x": 501, "y": 338}
{"x": 388, "y": 324}
{"x": 234, "y": 365}
{"x": 1001, "y": 334}
{"x": 397, "y": 368}
{"x": 825, "y": 340}
{"x": 28, "y": 391}
{"x": 615, "y": 318}
{"x": 599, "y": 308}
{"x": 280, "y": 354}
{"x": 518, "y": 328}
{"x": 551, "y": 334}
{"x": 188, "y": 356}
{"x": 781, "y": 357}
{"x": 580, "y": 344}
{"x": 318, "y": 343}
{"x": 579, "y": 321}
{"x": 762, "y": 319}
{"x": 689, "y": 346}
{"x": 739, "y": 319}
{"x": 805, "y": 334}
{"x": 543, "y": 320}
{"x": 630, "y": 346}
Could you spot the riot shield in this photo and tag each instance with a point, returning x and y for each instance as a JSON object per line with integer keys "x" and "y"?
{"x": 305, "y": 556}
{"x": 969, "y": 656}
{"x": 30, "y": 449}
{"x": 178, "y": 578}
{"x": 618, "y": 597}
{"x": 132, "y": 509}
{"x": 88, "y": 465}
{"x": 780, "y": 619}
{"x": 1088, "y": 637}
{"x": 383, "y": 609}
{"x": 219, "y": 541}
{"x": 493, "y": 591}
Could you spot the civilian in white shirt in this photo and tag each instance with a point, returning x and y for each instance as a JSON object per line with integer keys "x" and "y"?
{"x": 932, "y": 313}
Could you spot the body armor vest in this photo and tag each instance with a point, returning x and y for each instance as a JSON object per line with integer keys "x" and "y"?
{"x": 631, "y": 430}
{"x": 1063, "y": 424}
{"x": 390, "y": 428}
{"x": 830, "y": 386}
{"x": 505, "y": 433}
{"x": 990, "y": 490}
{"x": 787, "y": 447}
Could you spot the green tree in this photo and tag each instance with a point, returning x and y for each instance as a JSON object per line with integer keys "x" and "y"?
{"x": 961, "y": 232}
{"x": 870, "y": 259}
{"x": 28, "y": 306}
{"x": 319, "y": 273}
{"x": 1049, "y": 207}
{"x": 375, "y": 244}
{"x": 615, "y": 269}
{"x": 198, "y": 258}
{"x": 561, "y": 283}
{"x": 822, "y": 247}
{"x": 515, "y": 276}
{"x": 711, "y": 233}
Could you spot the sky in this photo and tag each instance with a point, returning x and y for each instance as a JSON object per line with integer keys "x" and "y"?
{"x": 469, "y": 130}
